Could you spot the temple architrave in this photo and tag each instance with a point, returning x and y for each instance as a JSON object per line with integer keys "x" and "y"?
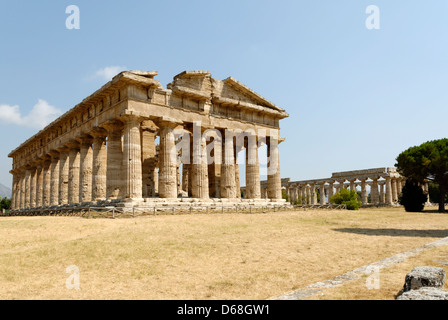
{"x": 135, "y": 143}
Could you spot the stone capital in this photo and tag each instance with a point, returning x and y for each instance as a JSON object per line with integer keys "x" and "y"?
{"x": 98, "y": 133}
{"x": 167, "y": 122}
{"x": 112, "y": 125}
{"x": 73, "y": 144}
{"x": 131, "y": 118}
{"x": 54, "y": 154}
{"x": 148, "y": 125}
{"x": 85, "y": 139}
{"x": 63, "y": 149}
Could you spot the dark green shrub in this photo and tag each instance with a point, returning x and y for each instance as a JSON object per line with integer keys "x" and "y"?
{"x": 412, "y": 197}
{"x": 349, "y": 198}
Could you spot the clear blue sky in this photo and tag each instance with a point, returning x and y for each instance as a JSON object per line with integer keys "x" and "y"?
{"x": 356, "y": 97}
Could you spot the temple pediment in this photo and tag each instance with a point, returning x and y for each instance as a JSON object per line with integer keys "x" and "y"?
{"x": 227, "y": 95}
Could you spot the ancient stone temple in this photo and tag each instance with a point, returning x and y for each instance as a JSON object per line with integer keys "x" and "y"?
{"x": 385, "y": 186}
{"x": 133, "y": 142}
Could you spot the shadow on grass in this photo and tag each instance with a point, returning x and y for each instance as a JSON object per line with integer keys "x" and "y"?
{"x": 396, "y": 232}
{"x": 434, "y": 211}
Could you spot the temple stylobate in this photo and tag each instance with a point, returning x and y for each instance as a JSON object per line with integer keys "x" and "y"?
{"x": 133, "y": 142}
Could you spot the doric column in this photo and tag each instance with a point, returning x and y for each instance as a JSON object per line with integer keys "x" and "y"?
{"x": 374, "y": 191}
{"x": 295, "y": 193}
{"x": 73, "y": 172}
{"x": 114, "y": 159}
{"x": 274, "y": 178}
{"x": 330, "y": 190}
{"x": 389, "y": 199}
{"x": 313, "y": 193}
{"x": 252, "y": 169}
{"x": 132, "y": 157}
{"x": 308, "y": 194}
{"x": 149, "y": 162}
{"x": 54, "y": 184}
{"x": 382, "y": 195}
{"x": 39, "y": 183}
{"x": 27, "y": 188}
{"x": 14, "y": 189}
{"x": 341, "y": 185}
{"x": 46, "y": 189}
{"x": 352, "y": 185}
{"x": 33, "y": 186}
{"x": 394, "y": 189}
{"x": 199, "y": 166}
{"x": 322, "y": 193}
{"x": 289, "y": 192}
{"x": 63, "y": 175}
{"x": 167, "y": 160}
{"x": 18, "y": 194}
{"x": 15, "y": 201}
{"x": 186, "y": 177}
{"x": 99, "y": 166}
{"x": 228, "y": 181}
{"x": 303, "y": 194}
{"x": 237, "y": 173}
{"x": 85, "y": 168}
{"x": 23, "y": 189}
{"x": 364, "y": 199}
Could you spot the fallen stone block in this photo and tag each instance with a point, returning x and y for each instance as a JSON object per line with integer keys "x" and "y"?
{"x": 421, "y": 277}
{"x": 424, "y": 293}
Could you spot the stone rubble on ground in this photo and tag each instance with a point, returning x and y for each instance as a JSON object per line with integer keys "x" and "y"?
{"x": 424, "y": 283}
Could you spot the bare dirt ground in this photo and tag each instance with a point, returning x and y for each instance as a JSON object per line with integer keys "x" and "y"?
{"x": 213, "y": 256}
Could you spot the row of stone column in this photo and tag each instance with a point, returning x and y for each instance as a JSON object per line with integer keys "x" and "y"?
{"x": 384, "y": 192}
{"x": 110, "y": 163}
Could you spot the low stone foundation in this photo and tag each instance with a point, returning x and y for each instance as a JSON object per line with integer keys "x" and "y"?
{"x": 157, "y": 205}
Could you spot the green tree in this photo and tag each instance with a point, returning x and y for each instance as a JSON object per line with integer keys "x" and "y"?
{"x": 412, "y": 197}
{"x": 5, "y": 203}
{"x": 428, "y": 161}
{"x": 434, "y": 194}
{"x": 349, "y": 198}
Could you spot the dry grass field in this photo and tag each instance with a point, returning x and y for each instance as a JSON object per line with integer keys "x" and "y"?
{"x": 213, "y": 256}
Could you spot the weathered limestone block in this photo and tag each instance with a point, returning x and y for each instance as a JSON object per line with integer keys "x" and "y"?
{"x": 424, "y": 293}
{"x": 424, "y": 277}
